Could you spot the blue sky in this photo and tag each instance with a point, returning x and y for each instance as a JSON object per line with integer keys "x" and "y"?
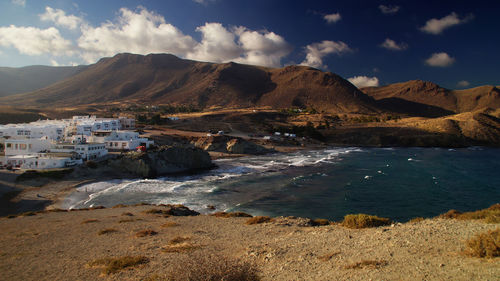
{"x": 452, "y": 43}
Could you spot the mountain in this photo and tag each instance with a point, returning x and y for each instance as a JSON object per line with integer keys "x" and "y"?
{"x": 30, "y": 78}
{"x": 167, "y": 79}
{"x": 430, "y": 100}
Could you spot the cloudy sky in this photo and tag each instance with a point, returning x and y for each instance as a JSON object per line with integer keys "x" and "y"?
{"x": 452, "y": 43}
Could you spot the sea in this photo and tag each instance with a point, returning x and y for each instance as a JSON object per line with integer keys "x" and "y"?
{"x": 398, "y": 183}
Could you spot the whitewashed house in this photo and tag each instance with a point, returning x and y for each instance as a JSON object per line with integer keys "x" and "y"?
{"x": 85, "y": 151}
{"x": 26, "y": 146}
{"x": 120, "y": 140}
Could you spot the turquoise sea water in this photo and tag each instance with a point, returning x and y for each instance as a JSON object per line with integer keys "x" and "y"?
{"x": 400, "y": 183}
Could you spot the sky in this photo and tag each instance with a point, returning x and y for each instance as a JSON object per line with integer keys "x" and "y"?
{"x": 455, "y": 44}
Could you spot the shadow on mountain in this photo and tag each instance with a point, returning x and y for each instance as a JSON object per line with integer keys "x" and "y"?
{"x": 398, "y": 105}
{"x": 395, "y": 136}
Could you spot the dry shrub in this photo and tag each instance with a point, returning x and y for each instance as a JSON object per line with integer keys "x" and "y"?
{"x": 366, "y": 264}
{"x": 178, "y": 240}
{"x": 488, "y": 215}
{"x": 113, "y": 265}
{"x": 125, "y": 220}
{"x": 327, "y": 257}
{"x": 28, "y": 214}
{"x": 97, "y": 208}
{"x": 119, "y": 206}
{"x": 128, "y": 214}
{"x": 142, "y": 204}
{"x": 154, "y": 211}
{"x": 106, "y": 231}
{"x": 364, "y": 221}
{"x": 416, "y": 220}
{"x": 170, "y": 224}
{"x": 484, "y": 245}
{"x": 258, "y": 219}
{"x": 320, "y": 222}
{"x": 451, "y": 214}
{"x": 146, "y": 232}
{"x": 179, "y": 247}
{"x": 89, "y": 221}
{"x": 202, "y": 267}
{"x": 231, "y": 215}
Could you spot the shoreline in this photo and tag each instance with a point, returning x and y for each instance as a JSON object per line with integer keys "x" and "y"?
{"x": 40, "y": 194}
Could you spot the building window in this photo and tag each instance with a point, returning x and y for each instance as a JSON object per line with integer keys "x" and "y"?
{"x": 9, "y": 145}
{"x": 20, "y": 132}
{"x": 22, "y": 146}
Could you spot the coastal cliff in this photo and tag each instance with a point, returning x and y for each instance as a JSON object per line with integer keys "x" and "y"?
{"x": 162, "y": 161}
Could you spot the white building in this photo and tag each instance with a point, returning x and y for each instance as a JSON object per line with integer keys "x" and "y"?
{"x": 120, "y": 140}
{"x": 85, "y": 151}
{"x": 40, "y": 161}
{"x": 26, "y": 146}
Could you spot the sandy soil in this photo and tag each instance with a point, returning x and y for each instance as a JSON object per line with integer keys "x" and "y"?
{"x": 58, "y": 246}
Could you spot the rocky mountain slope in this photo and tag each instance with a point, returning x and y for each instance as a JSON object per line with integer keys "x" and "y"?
{"x": 430, "y": 100}
{"x": 164, "y": 78}
{"x": 30, "y": 78}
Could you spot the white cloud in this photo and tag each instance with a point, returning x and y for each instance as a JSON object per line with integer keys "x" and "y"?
{"x": 217, "y": 44}
{"x": 262, "y": 48}
{"x": 364, "y": 81}
{"x": 60, "y": 18}
{"x": 141, "y": 32}
{"x": 316, "y": 52}
{"x": 440, "y": 60}
{"x": 390, "y": 44}
{"x": 241, "y": 45}
{"x": 54, "y": 62}
{"x": 332, "y": 18}
{"x": 389, "y": 9}
{"x": 203, "y": 2}
{"x": 19, "y": 2}
{"x": 34, "y": 41}
{"x": 437, "y": 26}
{"x": 463, "y": 84}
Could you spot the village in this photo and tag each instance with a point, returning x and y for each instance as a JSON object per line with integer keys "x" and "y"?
{"x": 49, "y": 144}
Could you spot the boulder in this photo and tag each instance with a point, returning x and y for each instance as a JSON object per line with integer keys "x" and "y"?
{"x": 162, "y": 161}
{"x": 240, "y": 146}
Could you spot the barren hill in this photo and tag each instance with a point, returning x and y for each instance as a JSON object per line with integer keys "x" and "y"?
{"x": 30, "y": 78}
{"x": 164, "y": 78}
{"x": 429, "y": 99}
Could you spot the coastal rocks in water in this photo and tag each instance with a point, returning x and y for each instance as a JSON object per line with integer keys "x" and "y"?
{"x": 229, "y": 145}
{"x": 179, "y": 210}
{"x": 164, "y": 160}
{"x": 240, "y": 146}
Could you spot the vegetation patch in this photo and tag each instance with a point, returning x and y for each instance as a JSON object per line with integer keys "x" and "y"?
{"x": 179, "y": 248}
{"x": 416, "y": 220}
{"x": 258, "y": 219}
{"x": 367, "y": 264}
{"x": 128, "y": 214}
{"x": 320, "y": 222}
{"x": 484, "y": 245}
{"x": 51, "y": 174}
{"x": 89, "y": 221}
{"x": 119, "y": 206}
{"x": 146, "y": 232}
{"x": 327, "y": 257}
{"x": 170, "y": 224}
{"x": 488, "y": 215}
{"x": 178, "y": 240}
{"x": 107, "y": 231}
{"x": 364, "y": 221}
{"x": 28, "y": 214}
{"x": 113, "y": 265}
{"x": 231, "y": 215}
{"x": 125, "y": 220}
{"x": 201, "y": 267}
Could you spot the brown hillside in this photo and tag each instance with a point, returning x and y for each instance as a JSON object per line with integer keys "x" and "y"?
{"x": 429, "y": 99}
{"x": 164, "y": 78}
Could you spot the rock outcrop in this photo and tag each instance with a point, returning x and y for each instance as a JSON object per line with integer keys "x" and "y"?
{"x": 164, "y": 160}
{"x": 229, "y": 144}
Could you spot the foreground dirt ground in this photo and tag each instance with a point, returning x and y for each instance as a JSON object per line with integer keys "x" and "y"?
{"x": 59, "y": 246}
